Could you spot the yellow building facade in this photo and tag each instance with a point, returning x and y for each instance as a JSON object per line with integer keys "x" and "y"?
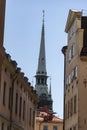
{"x": 42, "y": 124}
{"x": 75, "y": 72}
{"x": 18, "y": 98}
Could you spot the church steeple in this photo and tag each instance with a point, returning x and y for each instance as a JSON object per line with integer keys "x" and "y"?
{"x": 41, "y": 75}
{"x": 42, "y": 59}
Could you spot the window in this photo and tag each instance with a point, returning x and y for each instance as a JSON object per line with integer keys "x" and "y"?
{"x": 17, "y": 82}
{"x": 75, "y": 104}
{"x": 2, "y": 126}
{"x": 71, "y": 76}
{"x": 4, "y": 93}
{"x": 16, "y": 103}
{"x": 75, "y": 72}
{"x": 45, "y": 127}
{"x": 23, "y": 110}
{"x": 42, "y": 80}
{"x": 33, "y": 118}
{"x": 68, "y": 108}
{"x": 9, "y": 102}
{"x": 8, "y": 127}
{"x": 67, "y": 82}
{"x": 66, "y": 111}
{"x": 30, "y": 116}
{"x": 71, "y": 31}
{"x": 55, "y": 128}
{"x": 5, "y": 69}
{"x": 71, "y": 52}
{"x": 21, "y": 86}
{"x": 38, "y": 81}
{"x": 74, "y": 128}
{"x": 20, "y": 107}
{"x": 70, "y": 55}
{"x": 71, "y": 107}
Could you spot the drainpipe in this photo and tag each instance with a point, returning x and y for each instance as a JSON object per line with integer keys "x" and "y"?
{"x": 64, "y": 52}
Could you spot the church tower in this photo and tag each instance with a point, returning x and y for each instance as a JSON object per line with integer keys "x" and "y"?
{"x": 45, "y": 99}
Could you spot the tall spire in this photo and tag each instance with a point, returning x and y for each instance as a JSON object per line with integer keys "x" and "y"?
{"x": 42, "y": 59}
{"x": 43, "y": 15}
{"x": 41, "y": 75}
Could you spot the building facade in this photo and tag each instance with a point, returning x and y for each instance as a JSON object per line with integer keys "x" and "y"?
{"x": 2, "y": 22}
{"x": 54, "y": 124}
{"x": 18, "y": 99}
{"x": 75, "y": 72}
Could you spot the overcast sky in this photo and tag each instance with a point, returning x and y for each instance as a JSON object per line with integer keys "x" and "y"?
{"x": 23, "y": 34}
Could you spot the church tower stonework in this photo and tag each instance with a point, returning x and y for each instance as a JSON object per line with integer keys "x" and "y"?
{"x": 44, "y": 95}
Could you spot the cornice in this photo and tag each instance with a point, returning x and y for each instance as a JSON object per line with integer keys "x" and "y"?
{"x": 71, "y": 17}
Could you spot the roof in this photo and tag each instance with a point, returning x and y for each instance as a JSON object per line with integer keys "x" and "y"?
{"x": 41, "y": 116}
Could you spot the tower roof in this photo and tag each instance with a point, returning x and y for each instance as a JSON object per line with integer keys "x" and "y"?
{"x": 42, "y": 59}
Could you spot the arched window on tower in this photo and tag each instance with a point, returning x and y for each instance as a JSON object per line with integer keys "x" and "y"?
{"x": 38, "y": 81}
{"x": 42, "y": 81}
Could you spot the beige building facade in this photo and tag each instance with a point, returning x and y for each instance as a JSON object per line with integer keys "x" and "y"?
{"x": 2, "y": 22}
{"x": 42, "y": 124}
{"x": 18, "y": 98}
{"x": 75, "y": 72}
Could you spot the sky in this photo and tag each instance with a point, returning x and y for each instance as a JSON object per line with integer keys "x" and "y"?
{"x": 23, "y": 24}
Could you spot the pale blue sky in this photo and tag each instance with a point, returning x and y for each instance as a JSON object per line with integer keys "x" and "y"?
{"x": 23, "y": 33}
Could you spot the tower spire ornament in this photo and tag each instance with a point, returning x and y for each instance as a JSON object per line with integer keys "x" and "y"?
{"x": 42, "y": 58}
{"x": 41, "y": 75}
{"x": 43, "y": 15}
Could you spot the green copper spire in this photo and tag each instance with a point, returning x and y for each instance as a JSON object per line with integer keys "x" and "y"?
{"x": 42, "y": 59}
{"x": 41, "y": 75}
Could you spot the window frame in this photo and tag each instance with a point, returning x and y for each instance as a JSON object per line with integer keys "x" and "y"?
{"x": 45, "y": 127}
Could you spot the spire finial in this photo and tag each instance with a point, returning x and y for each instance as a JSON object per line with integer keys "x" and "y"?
{"x": 50, "y": 80}
{"x": 43, "y": 15}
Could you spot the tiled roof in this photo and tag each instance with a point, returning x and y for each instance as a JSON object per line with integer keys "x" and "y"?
{"x": 41, "y": 116}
